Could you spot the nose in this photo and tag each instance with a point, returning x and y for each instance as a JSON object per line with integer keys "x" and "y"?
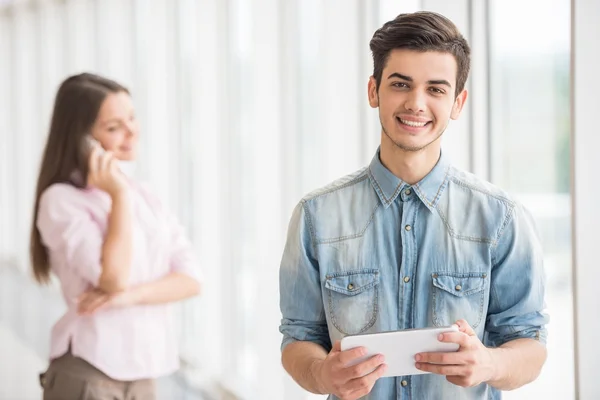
{"x": 130, "y": 129}
{"x": 415, "y": 102}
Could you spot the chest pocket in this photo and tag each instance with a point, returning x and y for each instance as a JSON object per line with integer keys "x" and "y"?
{"x": 352, "y": 299}
{"x": 458, "y": 296}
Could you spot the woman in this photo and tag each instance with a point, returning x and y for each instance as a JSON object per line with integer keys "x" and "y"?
{"x": 118, "y": 254}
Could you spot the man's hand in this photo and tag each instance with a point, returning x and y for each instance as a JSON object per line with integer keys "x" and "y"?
{"x": 471, "y": 365}
{"x": 335, "y": 376}
{"x": 96, "y": 300}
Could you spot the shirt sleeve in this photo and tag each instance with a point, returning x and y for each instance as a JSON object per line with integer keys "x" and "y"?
{"x": 182, "y": 258}
{"x": 301, "y": 302}
{"x": 68, "y": 230}
{"x": 516, "y": 308}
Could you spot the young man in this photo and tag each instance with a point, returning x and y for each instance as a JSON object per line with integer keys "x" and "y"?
{"x": 412, "y": 242}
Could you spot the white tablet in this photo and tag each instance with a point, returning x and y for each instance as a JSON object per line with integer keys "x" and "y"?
{"x": 400, "y": 347}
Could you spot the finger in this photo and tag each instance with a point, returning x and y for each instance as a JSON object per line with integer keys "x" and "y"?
{"x": 113, "y": 166}
{"x": 460, "y": 338}
{"x": 347, "y": 356}
{"x": 82, "y": 298}
{"x": 106, "y": 161}
{"x": 94, "y": 304}
{"x": 88, "y": 296}
{"x": 337, "y": 346}
{"x": 362, "y": 386}
{"x": 81, "y": 302}
{"x": 94, "y": 159}
{"x": 452, "y": 358}
{"x": 86, "y": 301}
{"x": 87, "y": 293}
{"x": 441, "y": 369}
{"x": 364, "y": 368}
{"x": 464, "y": 326}
{"x": 101, "y": 306}
{"x": 83, "y": 305}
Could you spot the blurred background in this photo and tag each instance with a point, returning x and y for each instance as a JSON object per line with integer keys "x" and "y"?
{"x": 245, "y": 106}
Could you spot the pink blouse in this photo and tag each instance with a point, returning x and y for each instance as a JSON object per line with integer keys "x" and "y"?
{"x": 129, "y": 343}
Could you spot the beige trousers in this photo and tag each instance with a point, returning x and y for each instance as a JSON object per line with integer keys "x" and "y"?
{"x": 72, "y": 378}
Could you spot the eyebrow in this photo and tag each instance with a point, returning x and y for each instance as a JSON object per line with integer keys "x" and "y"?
{"x": 109, "y": 121}
{"x": 431, "y": 82}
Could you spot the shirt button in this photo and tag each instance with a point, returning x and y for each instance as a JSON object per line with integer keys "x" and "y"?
{"x": 404, "y": 383}
{"x": 458, "y": 287}
{"x": 350, "y": 286}
{"x": 408, "y": 227}
{"x": 407, "y": 192}
{"x": 406, "y": 279}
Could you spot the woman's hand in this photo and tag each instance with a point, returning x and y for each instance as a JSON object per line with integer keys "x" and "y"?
{"x": 104, "y": 172}
{"x": 96, "y": 300}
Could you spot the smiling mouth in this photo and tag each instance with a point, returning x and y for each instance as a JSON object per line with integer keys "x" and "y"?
{"x": 413, "y": 124}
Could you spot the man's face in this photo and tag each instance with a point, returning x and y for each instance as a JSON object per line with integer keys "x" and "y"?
{"x": 416, "y": 98}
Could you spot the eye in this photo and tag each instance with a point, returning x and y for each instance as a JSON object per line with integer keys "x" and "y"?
{"x": 401, "y": 85}
{"x": 437, "y": 90}
{"x": 112, "y": 128}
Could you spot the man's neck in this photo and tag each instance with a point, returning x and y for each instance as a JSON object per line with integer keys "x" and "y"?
{"x": 409, "y": 166}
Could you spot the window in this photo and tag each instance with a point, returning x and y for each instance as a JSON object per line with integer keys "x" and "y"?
{"x": 530, "y": 122}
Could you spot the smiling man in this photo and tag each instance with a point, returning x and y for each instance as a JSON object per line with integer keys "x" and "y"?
{"x": 412, "y": 242}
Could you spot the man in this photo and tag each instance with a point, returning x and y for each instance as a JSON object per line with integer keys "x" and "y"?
{"x": 412, "y": 242}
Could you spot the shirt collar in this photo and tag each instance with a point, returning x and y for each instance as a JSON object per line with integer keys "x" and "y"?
{"x": 388, "y": 186}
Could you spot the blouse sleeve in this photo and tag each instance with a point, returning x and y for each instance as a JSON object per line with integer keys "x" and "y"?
{"x": 68, "y": 230}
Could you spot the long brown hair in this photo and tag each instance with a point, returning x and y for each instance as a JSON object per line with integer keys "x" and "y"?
{"x": 76, "y": 108}
{"x": 421, "y": 31}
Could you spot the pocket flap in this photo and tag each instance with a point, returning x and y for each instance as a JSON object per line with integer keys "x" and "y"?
{"x": 353, "y": 282}
{"x": 459, "y": 285}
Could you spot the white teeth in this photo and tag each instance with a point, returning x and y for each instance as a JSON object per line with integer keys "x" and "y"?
{"x": 412, "y": 123}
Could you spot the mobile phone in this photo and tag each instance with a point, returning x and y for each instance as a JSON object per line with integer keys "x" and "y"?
{"x": 93, "y": 143}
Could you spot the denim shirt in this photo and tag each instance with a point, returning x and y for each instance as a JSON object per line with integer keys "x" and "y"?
{"x": 370, "y": 253}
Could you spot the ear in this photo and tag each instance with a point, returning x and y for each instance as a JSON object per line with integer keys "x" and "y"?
{"x": 459, "y": 103}
{"x": 372, "y": 92}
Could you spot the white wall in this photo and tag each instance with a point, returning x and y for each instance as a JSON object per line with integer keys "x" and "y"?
{"x": 586, "y": 192}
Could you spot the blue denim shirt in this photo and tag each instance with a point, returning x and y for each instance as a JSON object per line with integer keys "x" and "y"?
{"x": 370, "y": 253}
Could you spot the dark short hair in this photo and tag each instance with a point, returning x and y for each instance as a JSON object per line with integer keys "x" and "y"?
{"x": 421, "y": 31}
